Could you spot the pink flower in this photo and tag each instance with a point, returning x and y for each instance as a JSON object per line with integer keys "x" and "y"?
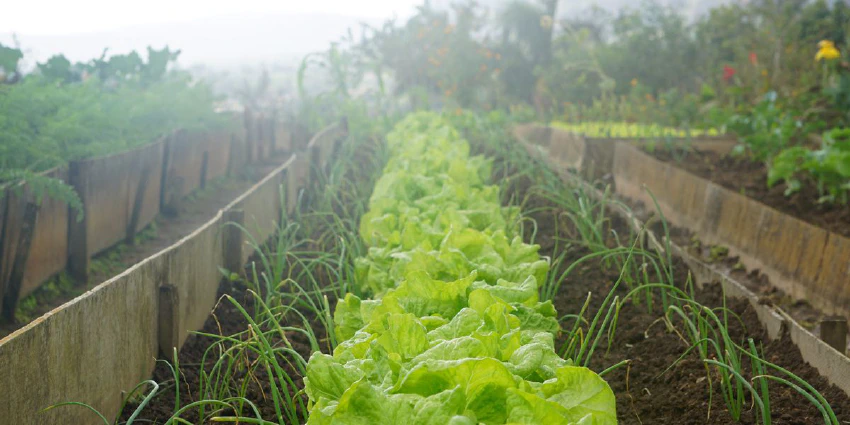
{"x": 754, "y": 59}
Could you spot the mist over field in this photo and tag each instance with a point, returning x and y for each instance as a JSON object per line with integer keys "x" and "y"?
{"x": 224, "y": 41}
{"x": 420, "y": 212}
{"x": 239, "y": 38}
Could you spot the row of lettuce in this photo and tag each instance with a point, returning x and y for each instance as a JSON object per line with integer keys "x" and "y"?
{"x": 454, "y": 332}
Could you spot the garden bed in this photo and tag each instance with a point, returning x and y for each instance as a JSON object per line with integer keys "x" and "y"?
{"x": 142, "y": 313}
{"x": 805, "y": 261}
{"x": 681, "y": 395}
{"x": 196, "y": 210}
{"x": 802, "y": 260}
{"x": 225, "y": 320}
{"x": 646, "y": 395}
{"x": 750, "y": 179}
{"x": 635, "y": 363}
{"x": 307, "y": 225}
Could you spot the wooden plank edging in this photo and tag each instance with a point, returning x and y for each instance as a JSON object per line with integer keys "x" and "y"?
{"x": 805, "y": 261}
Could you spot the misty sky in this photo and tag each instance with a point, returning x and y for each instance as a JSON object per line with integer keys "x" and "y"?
{"x": 224, "y": 32}
{"x": 219, "y": 32}
{"x": 61, "y": 17}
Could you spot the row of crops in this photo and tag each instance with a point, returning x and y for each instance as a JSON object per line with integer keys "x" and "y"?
{"x": 417, "y": 282}
{"x": 454, "y": 332}
{"x": 600, "y": 129}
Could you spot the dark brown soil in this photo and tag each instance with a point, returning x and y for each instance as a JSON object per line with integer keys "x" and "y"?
{"x": 718, "y": 256}
{"x": 750, "y": 179}
{"x": 226, "y": 320}
{"x": 199, "y": 208}
{"x": 680, "y": 396}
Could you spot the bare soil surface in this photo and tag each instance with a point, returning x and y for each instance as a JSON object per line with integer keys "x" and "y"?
{"x": 750, "y": 178}
{"x": 225, "y": 320}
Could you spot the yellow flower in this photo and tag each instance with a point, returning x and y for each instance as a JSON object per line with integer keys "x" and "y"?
{"x": 827, "y": 51}
{"x": 764, "y": 73}
{"x": 634, "y": 82}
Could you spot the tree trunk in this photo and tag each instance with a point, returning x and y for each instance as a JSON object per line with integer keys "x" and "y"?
{"x": 551, "y": 11}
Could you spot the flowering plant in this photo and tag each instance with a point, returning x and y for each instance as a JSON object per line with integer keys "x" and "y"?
{"x": 728, "y": 73}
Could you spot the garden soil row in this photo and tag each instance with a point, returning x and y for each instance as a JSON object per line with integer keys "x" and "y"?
{"x": 225, "y": 319}
{"x": 750, "y": 179}
{"x": 646, "y": 395}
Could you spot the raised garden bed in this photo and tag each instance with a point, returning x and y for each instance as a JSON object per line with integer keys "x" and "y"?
{"x": 121, "y": 194}
{"x": 647, "y": 395}
{"x": 750, "y": 179}
{"x": 593, "y": 157}
{"x": 594, "y": 247}
{"x": 805, "y": 261}
{"x": 802, "y": 260}
{"x": 779, "y": 332}
{"x": 99, "y": 346}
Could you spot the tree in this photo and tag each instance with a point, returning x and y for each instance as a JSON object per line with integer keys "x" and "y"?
{"x": 10, "y": 57}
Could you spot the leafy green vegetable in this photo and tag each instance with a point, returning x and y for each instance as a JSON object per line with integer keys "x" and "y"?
{"x": 828, "y": 167}
{"x": 455, "y": 333}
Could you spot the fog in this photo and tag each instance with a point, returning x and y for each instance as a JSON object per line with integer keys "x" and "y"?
{"x": 208, "y": 32}
{"x": 217, "y": 33}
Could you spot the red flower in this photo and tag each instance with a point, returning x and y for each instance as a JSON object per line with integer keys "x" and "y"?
{"x": 728, "y": 73}
{"x": 754, "y": 59}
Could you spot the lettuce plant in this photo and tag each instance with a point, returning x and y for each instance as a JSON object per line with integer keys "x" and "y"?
{"x": 454, "y": 332}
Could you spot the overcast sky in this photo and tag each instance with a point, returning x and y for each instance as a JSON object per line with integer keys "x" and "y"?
{"x": 207, "y": 31}
{"x": 62, "y": 17}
